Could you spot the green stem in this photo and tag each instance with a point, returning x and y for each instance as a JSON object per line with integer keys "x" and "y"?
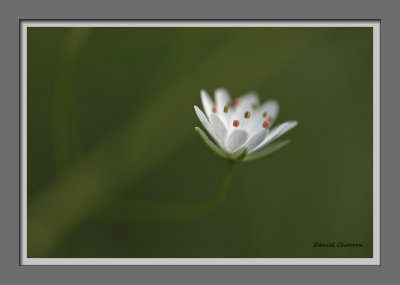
{"x": 142, "y": 211}
{"x": 220, "y": 197}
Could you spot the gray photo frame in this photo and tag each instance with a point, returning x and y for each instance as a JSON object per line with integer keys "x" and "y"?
{"x": 372, "y": 25}
{"x": 16, "y": 11}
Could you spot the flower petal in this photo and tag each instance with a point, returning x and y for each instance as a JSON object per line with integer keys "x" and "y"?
{"x": 277, "y": 132}
{"x": 255, "y": 140}
{"x": 269, "y": 149}
{"x": 248, "y": 99}
{"x": 245, "y": 103}
{"x": 209, "y": 143}
{"x": 287, "y": 126}
{"x": 272, "y": 109}
{"x": 222, "y": 98}
{"x": 203, "y": 119}
{"x": 208, "y": 104}
{"x": 236, "y": 140}
{"x": 219, "y": 129}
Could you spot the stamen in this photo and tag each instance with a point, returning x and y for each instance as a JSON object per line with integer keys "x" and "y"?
{"x": 236, "y": 101}
{"x": 247, "y": 114}
{"x": 214, "y": 109}
{"x": 270, "y": 118}
{"x": 236, "y": 123}
{"x": 265, "y": 114}
{"x": 226, "y": 108}
{"x": 254, "y": 106}
{"x": 266, "y": 124}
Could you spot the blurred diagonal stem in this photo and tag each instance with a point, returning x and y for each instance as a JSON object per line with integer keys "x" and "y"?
{"x": 147, "y": 211}
{"x": 65, "y": 115}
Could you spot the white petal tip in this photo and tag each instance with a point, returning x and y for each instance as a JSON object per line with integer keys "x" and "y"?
{"x": 203, "y": 92}
{"x": 221, "y": 89}
{"x": 252, "y": 93}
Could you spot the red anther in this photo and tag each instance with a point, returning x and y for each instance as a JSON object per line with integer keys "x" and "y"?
{"x": 270, "y": 118}
{"x": 214, "y": 109}
{"x": 266, "y": 124}
{"x": 236, "y": 101}
{"x": 236, "y": 123}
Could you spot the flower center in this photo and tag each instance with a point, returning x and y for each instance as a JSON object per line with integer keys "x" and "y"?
{"x": 214, "y": 109}
{"x": 266, "y": 124}
{"x": 236, "y": 102}
{"x": 270, "y": 118}
{"x": 235, "y": 123}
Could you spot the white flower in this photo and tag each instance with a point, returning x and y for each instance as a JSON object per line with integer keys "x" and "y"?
{"x": 240, "y": 129}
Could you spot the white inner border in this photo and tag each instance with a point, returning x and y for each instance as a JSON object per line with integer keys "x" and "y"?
{"x": 205, "y": 261}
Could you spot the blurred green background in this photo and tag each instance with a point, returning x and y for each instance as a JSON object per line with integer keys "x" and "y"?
{"x": 110, "y": 124}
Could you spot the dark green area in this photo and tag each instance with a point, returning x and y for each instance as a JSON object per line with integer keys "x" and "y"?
{"x": 111, "y": 124}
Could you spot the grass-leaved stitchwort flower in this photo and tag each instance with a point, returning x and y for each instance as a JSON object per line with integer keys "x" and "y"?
{"x": 240, "y": 129}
